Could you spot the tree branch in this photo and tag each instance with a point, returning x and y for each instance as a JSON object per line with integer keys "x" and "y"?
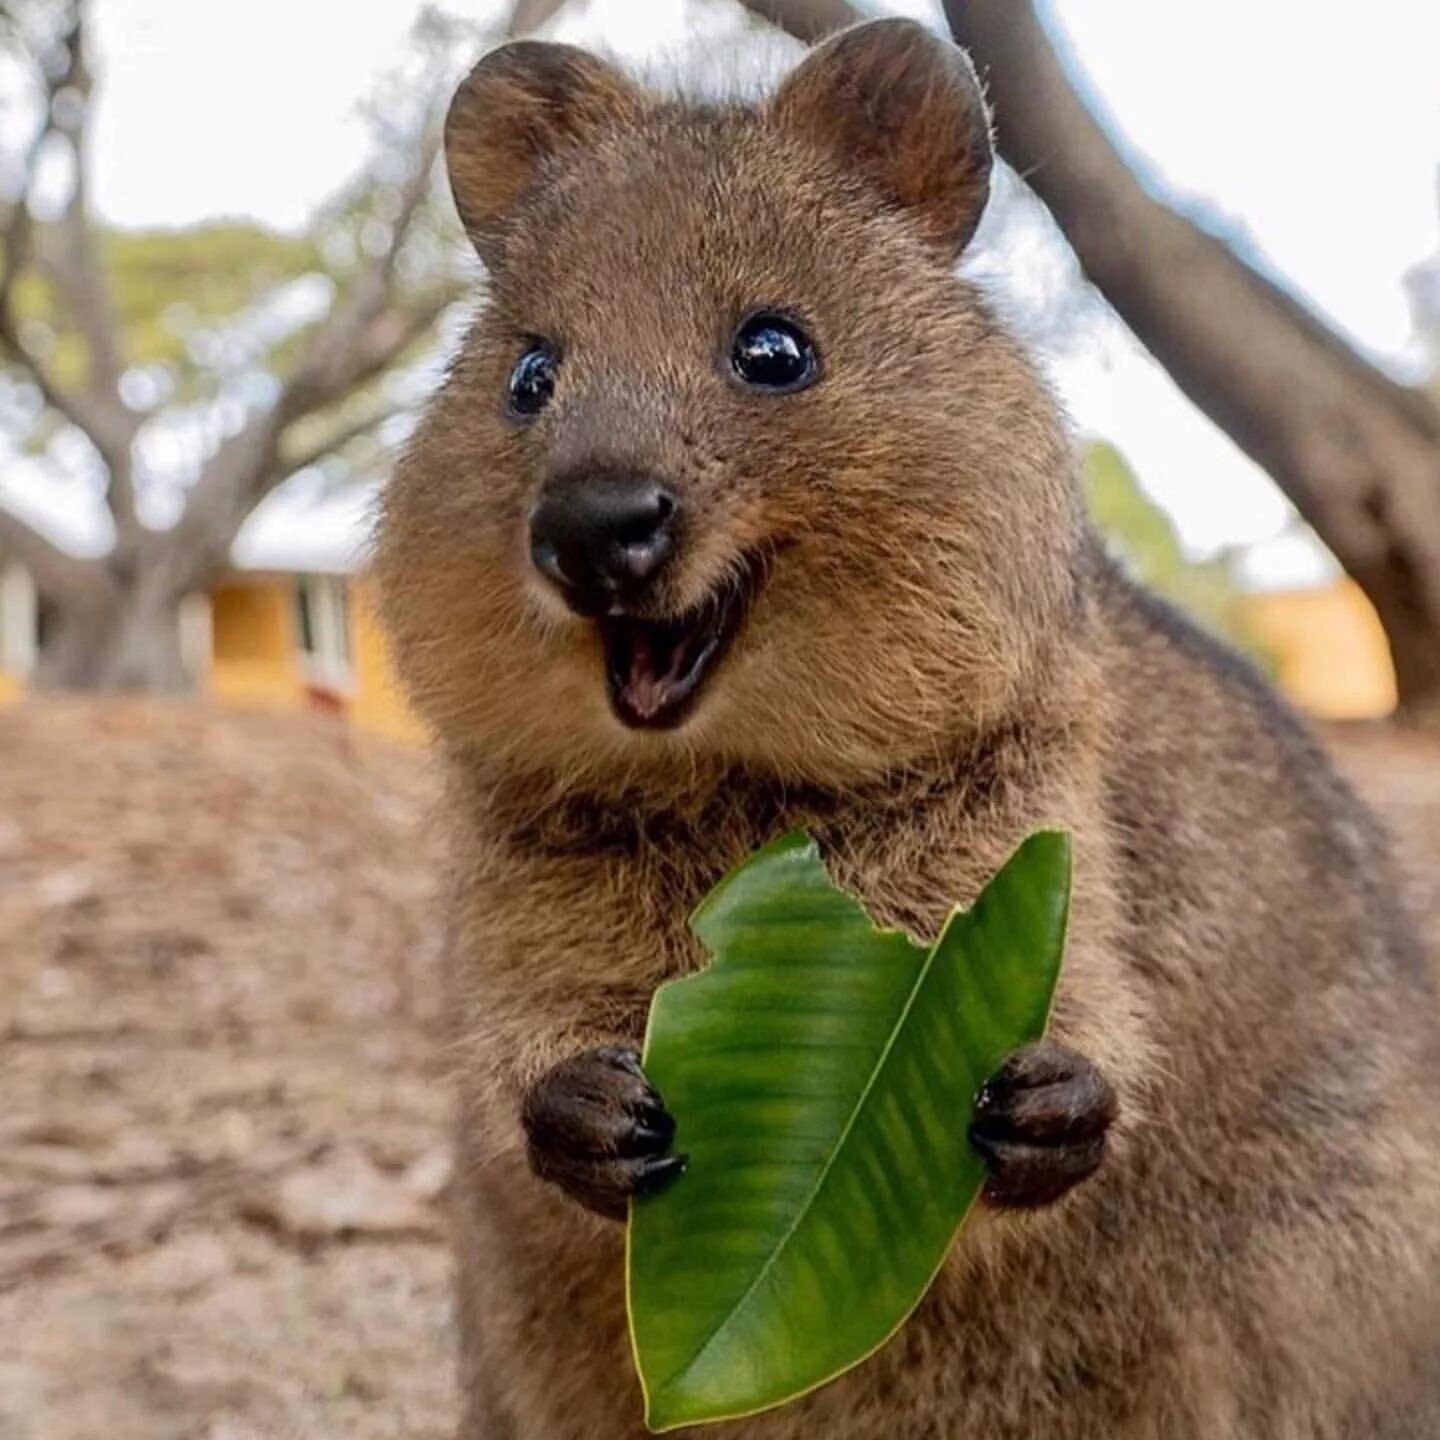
{"x": 74, "y": 263}
{"x": 390, "y": 336}
{"x": 338, "y": 355}
{"x": 74, "y": 259}
{"x": 363, "y": 335}
{"x": 96, "y": 410}
{"x": 528, "y": 15}
{"x": 19, "y": 240}
{"x": 807, "y": 20}
{"x": 295, "y": 457}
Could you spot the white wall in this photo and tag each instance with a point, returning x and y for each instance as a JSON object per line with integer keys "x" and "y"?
{"x": 19, "y": 620}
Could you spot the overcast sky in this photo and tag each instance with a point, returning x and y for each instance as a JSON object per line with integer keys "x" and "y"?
{"x": 1309, "y": 131}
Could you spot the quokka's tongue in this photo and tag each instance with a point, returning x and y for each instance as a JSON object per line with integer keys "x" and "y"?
{"x": 655, "y": 664}
{"x": 654, "y": 668}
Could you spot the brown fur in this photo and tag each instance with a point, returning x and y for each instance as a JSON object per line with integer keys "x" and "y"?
{"x": 941, "y": 661}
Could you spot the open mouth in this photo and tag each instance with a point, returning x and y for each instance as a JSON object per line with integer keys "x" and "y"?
{"x": 655, "y": 669}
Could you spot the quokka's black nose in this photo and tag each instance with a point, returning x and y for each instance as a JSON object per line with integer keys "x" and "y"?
{"x": 603, "y": 540}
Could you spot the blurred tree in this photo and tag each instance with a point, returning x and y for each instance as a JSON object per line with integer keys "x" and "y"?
{"x": 1357, "y": 453}
{"x": 1423, "y": 283}
{"x": 201, "y": 369}
{"x": 1144, "y": 538}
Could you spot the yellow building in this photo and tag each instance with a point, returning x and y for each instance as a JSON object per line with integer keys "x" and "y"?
{"x": 1330, "y": 651}
{"x": 304, "y": 639}
{"x": 267, "y": 637}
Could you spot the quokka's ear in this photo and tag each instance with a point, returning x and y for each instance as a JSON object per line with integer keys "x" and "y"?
{"x": 903, "y": 107}
{"x": 516, "y": 108}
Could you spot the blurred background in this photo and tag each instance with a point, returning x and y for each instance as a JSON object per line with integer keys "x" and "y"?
{"x": 229, "y": 276}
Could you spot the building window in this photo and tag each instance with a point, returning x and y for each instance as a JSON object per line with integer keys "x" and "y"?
{"x": 19, "y": 621}
{"x": 322, "y": 617}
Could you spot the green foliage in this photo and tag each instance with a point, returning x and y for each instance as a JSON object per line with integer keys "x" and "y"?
{"x": 165, "y": 286}
{"x": 1145, "y": 539}
{"x": 823, "y": 1075}
{"x": 165, "y": 280}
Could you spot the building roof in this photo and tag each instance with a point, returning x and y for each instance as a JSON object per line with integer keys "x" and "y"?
{"x": 323, "y": 534}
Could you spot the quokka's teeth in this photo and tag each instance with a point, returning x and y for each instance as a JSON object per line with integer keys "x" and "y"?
{"x": 655, "y": 668}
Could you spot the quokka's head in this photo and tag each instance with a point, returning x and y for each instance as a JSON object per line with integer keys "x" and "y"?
{"x": 732, "y": 469}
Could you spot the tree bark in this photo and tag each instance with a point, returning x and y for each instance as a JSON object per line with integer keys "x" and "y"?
{"x": 128, "y": 641}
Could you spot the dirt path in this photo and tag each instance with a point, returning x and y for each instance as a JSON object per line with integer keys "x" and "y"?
{"x": 222, "y": 1137}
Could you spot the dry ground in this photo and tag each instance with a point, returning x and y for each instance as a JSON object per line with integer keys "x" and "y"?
{"x": 221, "y": 1137}
{"x": 222, "y": 1131}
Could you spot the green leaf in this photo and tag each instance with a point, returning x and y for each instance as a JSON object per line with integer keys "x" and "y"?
{"x": 823, "y": 1074}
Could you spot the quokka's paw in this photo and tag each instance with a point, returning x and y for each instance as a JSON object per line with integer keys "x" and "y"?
{"x": 596, "y": 1128}
{"x": 1040, "y": 1123}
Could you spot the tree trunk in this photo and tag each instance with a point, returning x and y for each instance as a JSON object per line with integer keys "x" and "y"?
{"x": 129, "y": 641}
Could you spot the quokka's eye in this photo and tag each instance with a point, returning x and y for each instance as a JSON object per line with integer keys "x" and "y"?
{"x": 771, "y": 352}
{"x": 532, "y": 381}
